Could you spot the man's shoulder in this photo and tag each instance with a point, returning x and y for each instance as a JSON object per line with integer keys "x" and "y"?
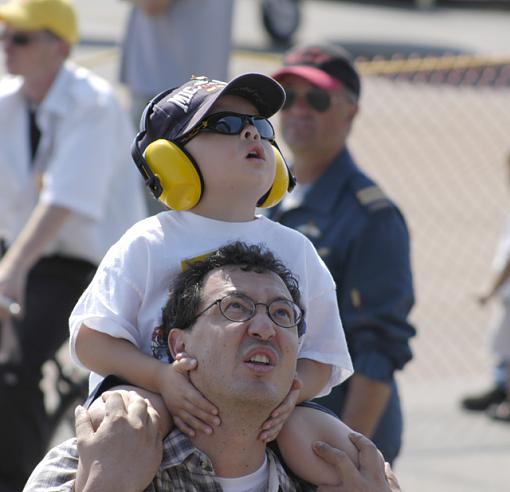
{"x": 87, "y": 88}
{"x": 57, "y": 470}
{"x": 367, "y": 194}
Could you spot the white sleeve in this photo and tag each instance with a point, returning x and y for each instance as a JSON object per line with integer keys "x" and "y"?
{"x": 324, "y": 340}
{"x": 111, "y": 302}
{"x": 85, "y": 157}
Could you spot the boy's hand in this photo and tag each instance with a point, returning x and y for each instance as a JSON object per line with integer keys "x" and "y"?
{"x": 273, "y": 425}
{"x": 190, "y": 410}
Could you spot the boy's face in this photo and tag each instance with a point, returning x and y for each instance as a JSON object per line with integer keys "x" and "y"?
{"x": 242, "y": 166}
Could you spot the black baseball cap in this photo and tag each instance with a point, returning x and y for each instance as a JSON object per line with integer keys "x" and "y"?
{"x": 174, "y": 113}
{"x": 328, "y": 66}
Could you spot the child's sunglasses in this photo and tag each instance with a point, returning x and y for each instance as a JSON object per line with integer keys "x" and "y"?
{"x": 316, "y": 98}
{"x": 229, "y": 123}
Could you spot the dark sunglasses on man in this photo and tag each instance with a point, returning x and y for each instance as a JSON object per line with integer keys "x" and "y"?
{"x": 23, "y": 39}
{"x": 318, "y": 99}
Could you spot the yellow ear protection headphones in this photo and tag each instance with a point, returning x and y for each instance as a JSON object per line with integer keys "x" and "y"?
{"x": 174, "y": 177}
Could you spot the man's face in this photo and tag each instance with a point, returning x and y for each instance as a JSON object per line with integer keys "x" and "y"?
{"x": 250, "y": 362}
{"x": 304, "y": 128}
{"x": 29, "y": 53}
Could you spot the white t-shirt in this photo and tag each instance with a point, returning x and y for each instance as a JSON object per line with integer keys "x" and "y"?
{"x": 83, "y": 163}
{"x": 126, "y": 297}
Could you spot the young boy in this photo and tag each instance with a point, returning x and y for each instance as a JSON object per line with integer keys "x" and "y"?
{"x": 219, "y": 132}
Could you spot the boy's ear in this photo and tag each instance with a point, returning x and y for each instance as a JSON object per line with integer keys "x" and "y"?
{"x": 176, "y": 341}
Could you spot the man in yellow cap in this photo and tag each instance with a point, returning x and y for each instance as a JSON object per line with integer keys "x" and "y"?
{"x": 66, "y": 172}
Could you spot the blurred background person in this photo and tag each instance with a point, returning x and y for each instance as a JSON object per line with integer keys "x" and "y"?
{"x": 496, "y": 399}
{"x": 359, "y": 232}
{"x": 168, "y": 41}
{"x": 68, "y": 191}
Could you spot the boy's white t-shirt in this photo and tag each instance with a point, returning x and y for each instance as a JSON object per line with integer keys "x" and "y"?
{"x": 131, "y": 286}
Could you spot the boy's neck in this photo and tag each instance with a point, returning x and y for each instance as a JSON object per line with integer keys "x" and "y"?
{"x": 229, "y": 213}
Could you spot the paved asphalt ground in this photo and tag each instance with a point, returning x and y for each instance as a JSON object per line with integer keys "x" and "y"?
{"x": 445, "y": 450}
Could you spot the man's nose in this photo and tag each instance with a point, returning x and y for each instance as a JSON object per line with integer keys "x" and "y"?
{"x": 301, "y": 104}
{"x": 261, "y": 325}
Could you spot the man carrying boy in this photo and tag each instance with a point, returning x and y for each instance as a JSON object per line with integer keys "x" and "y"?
{"x": 246, "y": 304}
{"x": 207, "y": 149}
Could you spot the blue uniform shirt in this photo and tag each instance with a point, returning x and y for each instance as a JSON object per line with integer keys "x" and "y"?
{"x": 363, "y": 239}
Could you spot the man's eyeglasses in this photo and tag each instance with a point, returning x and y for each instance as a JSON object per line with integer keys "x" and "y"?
{"x": 316, "y": 98}
{"x": 22, "y": 39}
{"x": 229, "y": 123}
{"x": 239, "y": 308}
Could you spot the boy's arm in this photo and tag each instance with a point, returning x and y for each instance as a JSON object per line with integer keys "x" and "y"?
{"x": 106, "y": 355}
{"x": 310, "y": 379}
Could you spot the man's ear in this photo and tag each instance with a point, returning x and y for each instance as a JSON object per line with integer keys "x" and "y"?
{"x": 176, "y": 341}
{"x": 353, "y": 111}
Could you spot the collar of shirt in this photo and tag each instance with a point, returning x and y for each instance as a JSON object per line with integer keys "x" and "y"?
{"x": 182, "y": 459}
{"x": 55, "y": 100}
{"x": 323, "y": 194}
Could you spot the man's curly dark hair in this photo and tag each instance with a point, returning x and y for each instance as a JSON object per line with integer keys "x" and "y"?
{"x": 186, "y": 293}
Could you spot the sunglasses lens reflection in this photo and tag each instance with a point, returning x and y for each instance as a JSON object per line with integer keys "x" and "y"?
{"x": 233, "y": 124}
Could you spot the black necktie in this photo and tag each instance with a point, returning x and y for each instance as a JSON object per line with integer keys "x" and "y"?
{"x": 35, "y": 133}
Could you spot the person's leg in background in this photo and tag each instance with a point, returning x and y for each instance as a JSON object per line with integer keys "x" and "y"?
{"x": 479, "y": 402}
{"x": 499, "y": 334}
{"x": 53, "y": 288}
{"x": 501, "y": 347}
{"x": 501, "y": 411}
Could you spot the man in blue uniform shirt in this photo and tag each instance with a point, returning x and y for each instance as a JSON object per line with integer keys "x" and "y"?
{"x": 358, "y": 231}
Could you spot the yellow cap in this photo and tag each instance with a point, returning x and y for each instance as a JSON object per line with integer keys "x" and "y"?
{"x": 56, "y": 16}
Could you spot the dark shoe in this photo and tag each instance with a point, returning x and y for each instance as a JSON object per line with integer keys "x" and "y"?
{"x": 483, "y": 401}
{"x": 500, "y": 411}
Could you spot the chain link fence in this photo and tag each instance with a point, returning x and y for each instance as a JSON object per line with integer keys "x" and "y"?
{"x": 433, "y": 131}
